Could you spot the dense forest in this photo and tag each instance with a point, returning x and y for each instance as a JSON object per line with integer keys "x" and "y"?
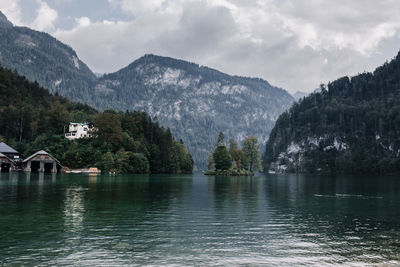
{"x": 32, "y": 119}
{"x": 351, "y": 126}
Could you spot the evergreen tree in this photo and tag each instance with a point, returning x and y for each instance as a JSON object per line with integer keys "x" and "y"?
{"x": 222, "y": 158}
{"x": 220, "y": 140}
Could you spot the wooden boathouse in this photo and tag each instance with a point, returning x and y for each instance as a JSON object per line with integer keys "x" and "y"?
{"x": 41, "y": 161}
{"x": 6, "y": 164}
{"x": 9, "y": 152}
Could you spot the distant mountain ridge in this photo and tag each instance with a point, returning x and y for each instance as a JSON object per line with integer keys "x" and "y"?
{"x": 196, "y": 102}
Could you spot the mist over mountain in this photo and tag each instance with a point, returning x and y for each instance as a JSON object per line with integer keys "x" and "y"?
{"x": 299, "y": 95}
{"x": 195, "y": 102}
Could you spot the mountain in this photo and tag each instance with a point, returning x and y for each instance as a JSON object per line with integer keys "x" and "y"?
{"x": 352, "y": 126}
{"x": 4, "y": 22}
{"x": 195, "y": 102}
{"x": 40, "y": 57}
{"x": 299, "y": 95}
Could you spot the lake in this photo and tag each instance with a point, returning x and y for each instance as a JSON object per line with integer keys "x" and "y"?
{"x": 187, "y": 220}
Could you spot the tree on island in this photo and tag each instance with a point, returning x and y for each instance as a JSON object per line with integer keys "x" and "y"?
{"x": 236, "y": 153}
{"x": 220, "y": 140}
{"x": 251, "y": 149}
{"x": 210, "y": 161}
{"x": 222, "y": 158}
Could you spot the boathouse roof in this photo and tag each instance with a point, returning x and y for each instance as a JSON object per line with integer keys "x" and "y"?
{"x": 4, "y": 148}
{"x": 4, "y": 156}
{"x": 41, "y": 152}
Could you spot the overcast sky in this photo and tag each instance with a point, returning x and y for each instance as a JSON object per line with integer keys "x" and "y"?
{"x": 294, "y": 44}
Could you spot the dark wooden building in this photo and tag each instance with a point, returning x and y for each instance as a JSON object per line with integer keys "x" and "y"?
{"x": 41, "y": 161}
{"x": 10, "y": 152}
{"x": 6, "y": 164}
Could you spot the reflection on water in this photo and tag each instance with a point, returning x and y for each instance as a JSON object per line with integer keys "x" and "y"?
{"x": 74, "y": 208}
{"x": 28, "y": 178}
{"x": 196, "y": 220}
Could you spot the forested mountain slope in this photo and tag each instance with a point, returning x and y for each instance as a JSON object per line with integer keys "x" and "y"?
{"x": 352, "y": 126}
{"x": 40, "y": 57}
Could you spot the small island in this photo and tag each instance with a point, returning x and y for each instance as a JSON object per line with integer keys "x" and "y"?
{"x": 234, "y": 171}
{"x": 235, "y": 161}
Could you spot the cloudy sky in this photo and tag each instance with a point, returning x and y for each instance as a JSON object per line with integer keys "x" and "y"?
{"x": 294, "y": 44}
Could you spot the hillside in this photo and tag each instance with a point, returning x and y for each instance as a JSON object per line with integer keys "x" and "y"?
{"x": 352, "y": 126}
{"x": 196, "y": 102}
{"x": 40, "y": 57}
{"x": 32, "y": 119}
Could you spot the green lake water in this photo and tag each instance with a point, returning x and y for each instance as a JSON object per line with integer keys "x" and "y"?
{"x": 194, "y": 220}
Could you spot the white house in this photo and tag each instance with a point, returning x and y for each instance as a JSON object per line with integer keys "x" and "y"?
{"x": 79, "y": 130}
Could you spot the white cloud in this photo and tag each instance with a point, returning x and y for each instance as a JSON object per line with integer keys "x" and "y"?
{"x": 140, "y": 7}
{"x": 83, "y": 21}
{"x": 46, "y": 17}
{"x": 11, "y": 9}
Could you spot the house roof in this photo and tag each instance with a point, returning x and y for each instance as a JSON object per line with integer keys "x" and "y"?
{"x": 4, "y": 148}
{"x": 41, "y": 152}
{"x": 80, "y": 123}
{"x": 4, "y": 156}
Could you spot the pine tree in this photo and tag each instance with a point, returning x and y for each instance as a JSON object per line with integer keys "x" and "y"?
{"x": 222, "y": 158}
{"x": 221, "y": 139}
